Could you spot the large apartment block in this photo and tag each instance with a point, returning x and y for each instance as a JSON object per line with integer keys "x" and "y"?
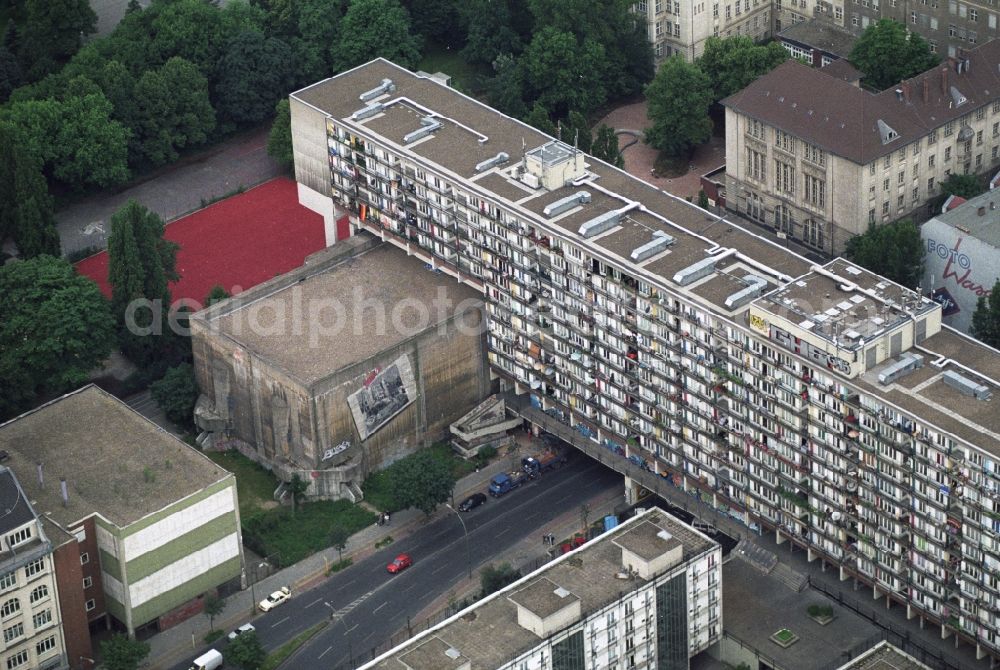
{"x": 646, "y": 595}
{"x": 681, "y": 27}
{"x": 819, "y": 159}
{"x": 824, "y": 404}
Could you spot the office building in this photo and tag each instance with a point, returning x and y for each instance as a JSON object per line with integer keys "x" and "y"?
{"x": 821, "y": 403}
{"x": 681, "y": 27}
{"x": 646, "y": 595}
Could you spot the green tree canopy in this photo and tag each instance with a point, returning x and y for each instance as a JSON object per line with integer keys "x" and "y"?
{"x": 490, "y": 31}
{"x": 339, "y": 535}
{"x": 279, "y": 141}
{"x": 216, "y": 294}
{"x": 51, "y": 32}
{"x": 492, "y": 578}
{"x": 25, "y": 204}
{"x": 679, "y": 97}
{"x": 10, "y": 73}
{"x": 192, "y": 29}
{"x": 213, "y": 605}
{"x": 505, "y": 88}
{"x": 539, "y": 118}
{"x": 176, "y": 394}
{"x": 986, "y": 318}
{"x": 563, "y": 73}
{"x": 893, "y": 250}
{"x": 55, "y": 328}
{"x": 732, "y": 63}
{"x": 123, "y": 653}
{"x": 425, "y": 483}
{"x": 253, "y": 74}
{"x": 314, "y": 30}
{"x": 172, "y": 111}
{"x": 140, "y": 261}
{"x": 605, "y": 146}
{"x": 963, "y": 185}
{"x": 245, "y": 652}
{"x": 373, "y": 28}
{"x": 887, "y": 53}
{"x": 440, "y": 20}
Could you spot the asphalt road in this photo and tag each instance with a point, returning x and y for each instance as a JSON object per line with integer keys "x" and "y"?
{"x": 367, "y": 605}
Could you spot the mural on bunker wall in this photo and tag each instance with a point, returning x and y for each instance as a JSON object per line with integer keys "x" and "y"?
{"x": 384, "y": 394}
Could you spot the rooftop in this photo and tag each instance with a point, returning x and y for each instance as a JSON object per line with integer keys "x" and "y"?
{"x": 116, "y": 463}
{"x": 16, "y": 511}
{"x": 844, "y": 119}
{"x": 884, "y": 656}
{"x": 978, "y": 217}
{"x": 820, "y": 35}
{"x": 842, "y": 69}
{"x": 349, "y": 308}
{"x": 488, "y": 634}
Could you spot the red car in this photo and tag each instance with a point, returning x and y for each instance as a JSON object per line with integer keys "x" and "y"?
{"x": 399, "y": 563}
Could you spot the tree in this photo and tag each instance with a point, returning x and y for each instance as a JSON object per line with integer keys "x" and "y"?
{"x": 213, "y": 605}
{"x": 297, "y": 487}
{"x": 120, "y": 652}
{"x": 55, "y": 328}
{"x": 192, "y": 29}
{"x": 252, "y": 75}
{"x": 893, "y": 250}
{"x": 317, "y": 24}
{"x": 679, "y": 97}
{"x": 986, "y": 318}
{"x": 505, "y": 88}
{"x": 176, "y": 394}
{"x": 439, "y": 20}
{"x": 279, "y": 140}
{"x": 539, "y": 118}
{"x": 25, "y": 204}
{"x": 425, "y": 483}
{"x": 373, "y": 28}
{"x": 732, "y": 63}
{"x": 173, "y": 111}
{"x": 10, "y": 73}
{"x": 562, "y": 72}
{"x": 963, "y": 185}
{"x": 493, "y": 578}
{"x": 245, "y": 652}
{"x": 887, "y": 53}
{"x": 490, "y": 31}
{"x": 339, "y": 535}
{"x": 51, "y": 32}
{"x": 576, "y": 130}
{"x": 216, "y": 294}
{"x": 605, "y": 146}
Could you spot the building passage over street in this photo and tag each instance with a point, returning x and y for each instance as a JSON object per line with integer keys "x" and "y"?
{"x": 823, "y": 403}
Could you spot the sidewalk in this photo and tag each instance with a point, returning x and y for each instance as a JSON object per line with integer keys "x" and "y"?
{"x": 187, "y": 637}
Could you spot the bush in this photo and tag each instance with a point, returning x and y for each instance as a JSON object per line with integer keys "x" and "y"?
{"x": 820, "y": 611}
{"x": 212, "y": 636}
{"x": 176, "y": 394}
{"x": 293, "y": 537}
{"x": 492, "y": 578}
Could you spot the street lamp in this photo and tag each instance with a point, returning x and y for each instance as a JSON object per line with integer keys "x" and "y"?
{"x": 347, "y": 631}
{"x": 468, "y": 552}
{"x": 253, "y": 593}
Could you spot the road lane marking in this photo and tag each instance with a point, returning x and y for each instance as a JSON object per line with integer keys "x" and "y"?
{"x": 380, "y": 607}
{"x": 352, "y": 628}
{"x": 501, "y": 532}
{"x": 439, "y": 568}
{"x": 280, "y": 622}
{"x": 324, "y": 653}
{"x": 318, "y": 600}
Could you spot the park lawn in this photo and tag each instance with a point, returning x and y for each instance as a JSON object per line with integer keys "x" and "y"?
{"x": 254, "y": 485}
{"x": 464, "y": 75}
{"x": 295, "y": 536}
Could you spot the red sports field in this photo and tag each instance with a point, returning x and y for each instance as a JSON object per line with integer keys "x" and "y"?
{"x": 238, "y": 242}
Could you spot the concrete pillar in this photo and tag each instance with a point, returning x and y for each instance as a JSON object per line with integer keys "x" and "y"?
{"x": 910, "y": 612}
{"x": 875, "y": 595}
{"x": 922, "y": 622}
{"x": 944, "y": 632}
{"x": 811, "y": 555}
{"x": 777, "y": 537}
{"x": 844, "y": 576}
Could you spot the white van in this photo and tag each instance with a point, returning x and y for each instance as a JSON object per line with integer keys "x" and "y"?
{"x": 210, "y": 660}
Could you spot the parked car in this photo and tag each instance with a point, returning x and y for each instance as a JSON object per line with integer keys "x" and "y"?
{"x": 472, "y": 502}
{"x": 275, "y": 599}
{"x": 210, "y": 660}
{"x": 245, "y": 628}
{"x": 399, "y": 563}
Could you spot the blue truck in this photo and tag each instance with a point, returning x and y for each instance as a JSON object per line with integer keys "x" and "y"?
{"x": 506, "y": 482}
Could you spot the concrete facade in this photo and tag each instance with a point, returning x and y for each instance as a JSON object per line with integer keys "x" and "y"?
{"x": 292, "y": 412}
{"x": 681, "y": 27}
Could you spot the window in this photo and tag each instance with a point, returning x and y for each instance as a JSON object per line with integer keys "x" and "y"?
{"x": 887, "y": 162}
{"x": 33, "y": 568}
{"x": 973, "y": 15}
{"x": 815, "y": 155}
{"x": 947, "y": 154}
{"x": 813, "y": 233}
{"x": 88, "y": 582}
{"x": 756, "y": 165}
{"x": 871, "y": 216}
{"x": 641, "y": 7}
{"x": 839, "y": 13}
{"x": 90, "y": 605}
{"x": 916, "y": 193}
{"x": 12, "y": 606}
{"x": 899, "y": 202}
{"x": 755, "y": 209}
{"x": 42, "y": 619}
{"x": 885, "y": 184}
{"x": 930, "y": 185}
{"x": 784, "y": 177}
{"x": 17, "y": 660}
{"x": 932, "y": 138}
{"x": 715, "y": 10}
{"x": 729, "y": 12}
{"x": 14, "y": 632}
{"x": 84, "y": 558}
{"x": 899, "y": 179}
{"x": 677, "y": 30}
{"x": 949, "y": 128}
{"x": 934, "y": 23}
{"x": 992, "y": 20}
{"x": 46, "y": 645}
{"x": 39, "y": 593}
{"x": 913, "y": 17}
{"x": 8, "y": 581}
{"x": 979, "y": 138}
{"x": 784, "y": 141}
{"x": 930, "y": 160}
{"x": 995, "y": 152}
{"x": 19, "y": 537}
{"x": 979, "y": 160}
{"x": 871, "y": 169}
{"x": 885, "y": 208}
{"x": 783, "y": 220}
{"x": 815, "y": 191}
{"x": 980, "y": 114}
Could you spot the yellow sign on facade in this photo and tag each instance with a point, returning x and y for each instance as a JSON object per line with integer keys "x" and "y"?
{"x": 759, "y": 324}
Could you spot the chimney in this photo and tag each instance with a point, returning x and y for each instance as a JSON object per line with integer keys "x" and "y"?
{"x": 906, "y": 90}
{"x": 64, "y": 491}
{"x": 41, "y": 478}
{"x": 927, "y": 90}
{"x": 944, "y": 81}
{"x": 992, "y": 205}
{"x": 981, "y": 211}
{"x": 899, "y": 94}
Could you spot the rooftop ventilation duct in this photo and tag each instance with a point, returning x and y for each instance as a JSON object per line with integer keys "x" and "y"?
{"x": 365, "y": 112}
{"x": 906, "y": 364}
{"x": 659, "y": 242}
{"x": 755, "y": 285}
{"x": 600, "y": 224}
{"x": 693, "y": 273}
{"x": 499, "y": 159}
{"x": 429, "y": 125}
{"x": 966, "y": 386}
{"x": 385, "y": 87}
{"x": 565, "y": 204}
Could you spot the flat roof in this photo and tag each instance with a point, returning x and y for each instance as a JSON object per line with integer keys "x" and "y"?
{"x": 884, "y": 656}
{"x": 488, "y": 633}
{"x": 542, "y": 597}
{"x": 978, "y": 217}
{"x": 647, "y": 540}
{"x": 318, "y": 320}
{"x": 116, "y": 462}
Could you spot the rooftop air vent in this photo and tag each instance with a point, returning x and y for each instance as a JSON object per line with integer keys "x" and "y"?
{"x": 659, "y": 242}
{"x": 886, "y": 132}
{"x": 600, "y": 224}
{"x": 565, "y": 204}
{"x": 385, "y": 87}
{"x": 693, "y": 273}
{"x": 365, "y": 112}
{"x": 428, "y": 125}
{"x": 755, "y": 285}
{"x": 499, "y": 159}
{"x": 966, "y": 386}
{"x": 957, "y": 97}
{"x": 906, "y": 364}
